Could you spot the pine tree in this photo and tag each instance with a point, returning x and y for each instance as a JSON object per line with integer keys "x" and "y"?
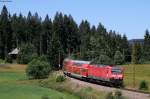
{"x": 93, "y": 48}
{"x": 84, "y": 34}
{"x": 5, "y": 33}
{"x": 46, "y": 34}
{"x": 21, "y": 30}
{"x": 125, "y": 49}
{"x": 147, "y": 46}
{"x": 118, "y": 58}
{"x": 55, "y": 52}
{"x": 70, "y": 33}
{"x": 37, "y": 33}
{"x": 14, "y": 23}
{"x": 59, "y": 29}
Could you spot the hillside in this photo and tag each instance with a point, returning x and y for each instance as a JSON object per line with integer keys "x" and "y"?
{"x": 132, "y": 41}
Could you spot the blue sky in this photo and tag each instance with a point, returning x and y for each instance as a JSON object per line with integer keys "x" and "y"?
{"x": 130, "y": 17}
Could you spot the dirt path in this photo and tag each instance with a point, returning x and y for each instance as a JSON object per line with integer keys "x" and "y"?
{"x": 128, "y": 94}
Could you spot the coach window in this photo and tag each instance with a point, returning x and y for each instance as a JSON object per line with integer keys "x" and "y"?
{"x": 77, "y": 64}
{"x": 116, "y": 71}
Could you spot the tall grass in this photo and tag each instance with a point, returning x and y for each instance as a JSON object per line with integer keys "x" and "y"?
{"x": 72, "y": 88}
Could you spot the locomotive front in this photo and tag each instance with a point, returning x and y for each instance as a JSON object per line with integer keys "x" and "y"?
{"x": 117, "y": 76}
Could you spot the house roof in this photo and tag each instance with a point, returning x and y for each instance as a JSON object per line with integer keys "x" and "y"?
{"x": 15, "y": 51}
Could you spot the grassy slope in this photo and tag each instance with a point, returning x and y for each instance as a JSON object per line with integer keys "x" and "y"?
{"x": 142, "y": 72}
{"x": 11, "y": 86}
{"x": 83, "y": 92}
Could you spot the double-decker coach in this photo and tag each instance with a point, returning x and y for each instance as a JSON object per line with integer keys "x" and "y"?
{"x": 97, "y": 72}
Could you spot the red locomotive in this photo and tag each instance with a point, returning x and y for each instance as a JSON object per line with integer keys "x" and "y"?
{"x": 88, "y": 71}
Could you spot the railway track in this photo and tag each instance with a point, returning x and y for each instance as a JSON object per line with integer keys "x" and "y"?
{"x": 148, "y": 93}
{"x": 129, "y": 93}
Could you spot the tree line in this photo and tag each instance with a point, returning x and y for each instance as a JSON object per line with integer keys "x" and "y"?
{"x": 61, "y": 37}
{"x": 141, "y": 52}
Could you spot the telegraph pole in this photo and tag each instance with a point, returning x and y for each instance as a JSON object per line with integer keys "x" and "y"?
{"x": 59, "y": 59}
{"x": 133, "y": 75}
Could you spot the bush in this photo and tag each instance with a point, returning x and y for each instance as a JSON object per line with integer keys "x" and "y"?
{"x": 61, "y": 98}
{"x": 60, "y": 78}
{"x": 110, "y": 96}
{"x": 26, "y": 54}
{"x": 118, "y": 94}
{"x": 143, "y": 85}
{"x": 43, "y": 58}
{"x": 2, "y": 61}
{"x": 45, "y": 97}
{"x": 38, "y": 69}
{"x": 8, "y": 59}
{"x": 114, "y": 95}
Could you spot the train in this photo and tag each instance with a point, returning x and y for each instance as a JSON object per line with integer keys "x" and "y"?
{"x": 96, "y": 72}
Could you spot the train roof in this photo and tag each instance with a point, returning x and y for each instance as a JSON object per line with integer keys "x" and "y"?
{"x": 99, "y": 65}
{"x": 89, "y": 62}
{"x": 82, "y": 62}
{"x": 78, "y": 61}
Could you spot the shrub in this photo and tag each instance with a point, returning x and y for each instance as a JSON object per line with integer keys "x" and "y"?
{"x": 110, "y": 96}
{"x": 61, "y": 98}
{"x": 2, "y": 61}
{"x": 38, "y": 69}
{"x": 8, "y": 59}
{"x": 114, "y": 95}
{"x": 45, "y": 97}
{"x": 60, "y": 78}
{"x": 43, "y": 58}
{"x": 118, "y": 94}
{"x": 143, "y": 85}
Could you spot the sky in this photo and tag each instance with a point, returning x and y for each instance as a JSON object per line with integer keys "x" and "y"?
{"x": 130, "y": 17}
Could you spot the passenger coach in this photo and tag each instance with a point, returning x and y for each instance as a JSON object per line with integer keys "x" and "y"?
{"x": 97, "y": 72}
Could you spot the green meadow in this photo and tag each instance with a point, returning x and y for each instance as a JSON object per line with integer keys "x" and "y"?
{"x": 15, "y": 85}
{"x": 12, "y": 86}
{"x": 134, "y": 74}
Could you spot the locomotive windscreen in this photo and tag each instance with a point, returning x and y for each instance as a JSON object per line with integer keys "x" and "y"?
{"x": 116, "y": 70}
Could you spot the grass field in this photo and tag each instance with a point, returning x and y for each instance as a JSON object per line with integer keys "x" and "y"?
{"x": 15, "y": 85}
{"x": 142, "y": 72}
{"x": 11, "y": 86}
{"x": 24, "y": 91}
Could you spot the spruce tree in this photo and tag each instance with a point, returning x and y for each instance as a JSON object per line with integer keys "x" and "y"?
{"x": 14, "y": 30}
{"x": 84, "y": 33}
{"x": 46, "y": 34}
{"x": 70, "y": 33}
{"x": 5, "y": 33}
{"x": 147, "y": 46}
{"x": 126, "y": 49}
{"x": 118, "y": 58}
{"x": 29, "y": 28}
{"x": 55, "y": 52}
